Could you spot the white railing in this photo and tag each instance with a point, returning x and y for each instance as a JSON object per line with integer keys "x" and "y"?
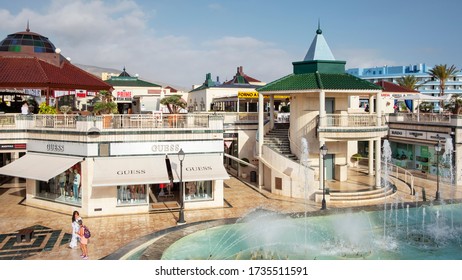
{"x": 424, "y": 117}
{"x": 351, "y": 120}
{"x": 132, "y": 121}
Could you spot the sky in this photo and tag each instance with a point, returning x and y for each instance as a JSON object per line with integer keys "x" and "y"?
{"x": 177, "y": 42}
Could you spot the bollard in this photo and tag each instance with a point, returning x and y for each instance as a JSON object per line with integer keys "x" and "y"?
{"x": 424, "y": 196}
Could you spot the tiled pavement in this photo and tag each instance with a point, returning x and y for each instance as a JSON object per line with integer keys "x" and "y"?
{"x": 110, "y": 234}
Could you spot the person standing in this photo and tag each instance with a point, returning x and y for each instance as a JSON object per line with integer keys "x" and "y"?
{"x": 25, "y": 108}
{"x": 76, "y": 184}
{"x": 75, "y": 229}
{"x": 83, "y": 241}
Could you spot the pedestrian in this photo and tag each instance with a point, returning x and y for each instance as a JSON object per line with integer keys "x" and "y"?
{"x": 75, "y": 229}
{"x": 83, "y": 241}
{"x": 25, "y": 108}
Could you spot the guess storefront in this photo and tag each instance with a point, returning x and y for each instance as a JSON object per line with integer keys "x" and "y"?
{"x": 130, "y": 178}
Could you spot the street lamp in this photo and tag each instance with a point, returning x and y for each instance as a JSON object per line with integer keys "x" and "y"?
{"x": 438, "y": 150}
{"x": 181, "y": 220}
{"x": 323, "y": 151}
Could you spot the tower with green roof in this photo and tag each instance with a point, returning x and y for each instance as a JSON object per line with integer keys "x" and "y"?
{"x": 324, "y": 110}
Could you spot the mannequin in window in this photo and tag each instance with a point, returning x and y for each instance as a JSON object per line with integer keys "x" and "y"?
{"x": 76, "y": 184}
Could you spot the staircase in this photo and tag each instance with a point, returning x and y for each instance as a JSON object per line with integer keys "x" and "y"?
{"x": 278, "y": 140}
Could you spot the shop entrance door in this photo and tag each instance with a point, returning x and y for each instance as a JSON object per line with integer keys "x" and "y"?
{"x": 162, "y": 197}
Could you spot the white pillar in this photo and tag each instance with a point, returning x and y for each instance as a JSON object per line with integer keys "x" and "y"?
{"x": 378, "y": 156}
{"x": 261, "y": 121}
{"x": 322, "y": 109}
{"x": 371, "y": 105}
{"x": 370, "y": 155}
{"x": 272, "y": 111}
{"x": 379, "y": 108}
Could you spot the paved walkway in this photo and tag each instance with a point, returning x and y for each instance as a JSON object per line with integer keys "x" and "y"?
{"x": 109, "y": 234}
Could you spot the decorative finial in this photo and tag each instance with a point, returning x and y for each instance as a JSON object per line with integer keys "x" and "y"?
{"x": 124, "y": 68}
{"x": 27, "y": 27}
{"x": 319, "y": 31}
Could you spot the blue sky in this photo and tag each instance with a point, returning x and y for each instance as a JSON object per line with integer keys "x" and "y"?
{"x": 178, "y": 41}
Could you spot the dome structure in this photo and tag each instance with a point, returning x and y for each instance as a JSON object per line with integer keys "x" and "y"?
{"x": 26, "y": 42}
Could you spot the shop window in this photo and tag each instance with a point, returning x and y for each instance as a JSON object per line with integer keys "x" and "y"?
{"x": 201, "y": 190}
{"x": 65, "y": 188}
{"x": 131, "y": 194}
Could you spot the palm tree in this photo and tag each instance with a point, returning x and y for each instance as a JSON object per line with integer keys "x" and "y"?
{"x": 174, "y": 103}
{"x": 442, "y": 72}
{"x": 408, "y": 81}
{"x": 106, "y": 105}
{"x": 454, "y": 104}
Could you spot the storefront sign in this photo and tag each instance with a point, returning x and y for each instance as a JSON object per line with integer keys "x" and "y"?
{"x": 416, "y": 134}
{"x": 396, "y": 132}
{"x": 81, "y": 93}
{"x": 60, "y": 93}
{"x": 247, "y": 94}
{"x": 437, "y": 136}
{"x": 254, "y": 94}
{"x": 162, "y": 148}
{"x": 12, "y": 146}
{"x": 64, "y": 148}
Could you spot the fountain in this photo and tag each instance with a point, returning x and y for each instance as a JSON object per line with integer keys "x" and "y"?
{"x": 419, "y": 232}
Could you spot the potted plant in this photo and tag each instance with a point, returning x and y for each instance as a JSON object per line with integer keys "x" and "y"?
{"x": 244, "y": 174}
{"x": 174, "y": 104}
{"x": 105, "y": 107}
{"x": 356, "y": 158}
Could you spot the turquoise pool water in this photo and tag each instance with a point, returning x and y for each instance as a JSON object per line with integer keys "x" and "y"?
{"x": 422, "y": 233}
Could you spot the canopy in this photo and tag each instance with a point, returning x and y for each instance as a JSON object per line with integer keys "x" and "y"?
{"x": 39, "y": 166}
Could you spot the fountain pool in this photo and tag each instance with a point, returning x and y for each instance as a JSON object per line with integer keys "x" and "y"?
{"x": 426, "y": 232}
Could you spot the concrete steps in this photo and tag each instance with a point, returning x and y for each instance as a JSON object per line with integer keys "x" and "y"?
{"x": 278, "y": 140}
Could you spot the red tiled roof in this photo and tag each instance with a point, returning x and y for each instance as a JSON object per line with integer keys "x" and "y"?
{"x": 30, "y": 72}
{"x": 394, "y": 88}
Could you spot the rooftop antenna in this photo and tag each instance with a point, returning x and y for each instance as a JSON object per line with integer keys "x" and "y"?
{"x": 27, "y": 28}
{"x": 319, "y": 31}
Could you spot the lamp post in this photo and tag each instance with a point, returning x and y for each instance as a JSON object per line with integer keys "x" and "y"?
{"x": 181, "y": 220}
{"x": 438, "y": 150}
{"x": 323, "y": 151}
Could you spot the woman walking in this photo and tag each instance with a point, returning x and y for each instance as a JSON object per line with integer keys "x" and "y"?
{"x": 75, "y": 229}
{"x": 83, "y": 241}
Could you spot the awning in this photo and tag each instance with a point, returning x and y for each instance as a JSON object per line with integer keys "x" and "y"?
{"x": 115, "y": 171}
{"x": 200, "y": 167}
{"x": 129, "y": 171}
{"x": 39, "y": 166}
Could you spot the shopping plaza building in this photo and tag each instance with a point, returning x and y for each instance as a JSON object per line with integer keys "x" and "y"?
{"x": 103, "y": 165}
{"x": 138, "y": 163}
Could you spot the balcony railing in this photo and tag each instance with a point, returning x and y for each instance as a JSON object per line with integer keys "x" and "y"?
{"x": 423, "y": 117}
{"x": 111, "y": 122}
{"x": 350, "y": 120}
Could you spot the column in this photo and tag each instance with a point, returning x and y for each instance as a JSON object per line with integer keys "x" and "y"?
{"x": 371, "y": 105}
{"x": 322, "y": 109}
{"x": 378, "y": 171}
{"x": 370, "y": 155}
{"x": 261, "y": 121}
{"x": 379, "y": 108}
{"x": 271, "y": 111}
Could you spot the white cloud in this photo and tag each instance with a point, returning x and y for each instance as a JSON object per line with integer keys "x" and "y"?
{"x": 358, "y": 58}
{"x": 118, "y": 34}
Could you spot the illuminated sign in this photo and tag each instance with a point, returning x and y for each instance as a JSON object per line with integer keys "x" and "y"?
{"x": 254, "y": 94}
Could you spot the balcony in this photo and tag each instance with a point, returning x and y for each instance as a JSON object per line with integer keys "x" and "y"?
{"x": 111, "y": 127}
{"x": 352, "y": 126}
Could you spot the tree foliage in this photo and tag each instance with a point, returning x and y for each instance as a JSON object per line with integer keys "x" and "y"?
{"x": 174, "y": 103}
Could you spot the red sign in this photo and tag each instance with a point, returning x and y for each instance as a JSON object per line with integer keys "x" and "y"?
{"x": 124, "y": 94}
